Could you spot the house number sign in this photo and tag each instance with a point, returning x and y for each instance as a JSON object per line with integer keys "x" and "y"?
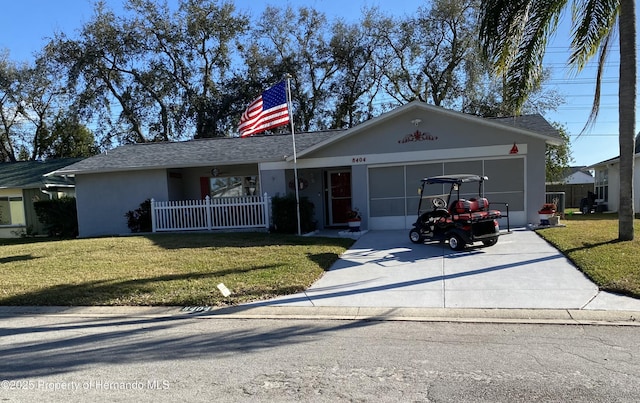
{"x": 358, "y": 160}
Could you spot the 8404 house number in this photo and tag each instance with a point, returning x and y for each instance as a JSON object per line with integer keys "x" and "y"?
{"x": 356, "y": 160}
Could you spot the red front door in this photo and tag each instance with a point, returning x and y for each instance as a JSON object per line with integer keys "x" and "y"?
{"x": 339, "y": 196}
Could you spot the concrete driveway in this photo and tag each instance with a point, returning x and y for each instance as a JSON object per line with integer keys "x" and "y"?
{"x": 384, "y": 269}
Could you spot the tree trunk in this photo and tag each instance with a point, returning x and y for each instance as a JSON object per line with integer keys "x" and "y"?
{"x": 627, "y": 102}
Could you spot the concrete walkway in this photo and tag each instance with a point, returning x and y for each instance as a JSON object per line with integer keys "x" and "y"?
{"x": 522, "y": 271}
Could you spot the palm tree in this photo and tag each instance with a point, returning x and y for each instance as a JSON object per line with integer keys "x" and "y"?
{"x": 514, "y": 35}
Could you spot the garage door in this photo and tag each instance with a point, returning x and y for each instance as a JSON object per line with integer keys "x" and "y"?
{"x": 393, "y": 190}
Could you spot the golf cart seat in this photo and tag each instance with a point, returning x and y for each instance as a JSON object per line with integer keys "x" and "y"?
{"x": 472, "y": 209}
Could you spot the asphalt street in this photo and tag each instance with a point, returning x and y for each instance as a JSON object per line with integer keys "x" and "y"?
{"x": 76, "y": 358}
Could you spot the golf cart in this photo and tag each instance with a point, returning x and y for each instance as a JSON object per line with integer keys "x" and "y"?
{"x": 452, "y": 219}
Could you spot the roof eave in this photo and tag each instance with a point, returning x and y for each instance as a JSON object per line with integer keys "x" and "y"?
{"x": 610, "y": 161}
{"x": 73, "y": 172}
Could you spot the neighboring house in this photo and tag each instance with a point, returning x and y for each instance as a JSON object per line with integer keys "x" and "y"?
{"x": 576, "y": 182}
{"x": 375, "y": 167}
{"x": 22, "y": 183}
{"x": 607, "y": 180}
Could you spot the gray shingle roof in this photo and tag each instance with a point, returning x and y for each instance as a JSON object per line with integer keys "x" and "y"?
{"x": 193, "y": 153}
{"x": 30, "y": 174}
{"x": 535, "y": 123}
{"x": 229, "y": 151}
{"x": 571, "y": 170}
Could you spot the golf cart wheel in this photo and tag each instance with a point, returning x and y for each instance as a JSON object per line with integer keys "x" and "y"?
{"x": 455, "y": 242}
{"x": 415, "y": 236}
{"x": 490, "y": 242}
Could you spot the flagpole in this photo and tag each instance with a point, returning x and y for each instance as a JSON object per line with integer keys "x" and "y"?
{"x": 295, "y": 158}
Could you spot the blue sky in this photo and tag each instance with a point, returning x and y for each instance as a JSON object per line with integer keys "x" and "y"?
{"x": 27, "y": 23}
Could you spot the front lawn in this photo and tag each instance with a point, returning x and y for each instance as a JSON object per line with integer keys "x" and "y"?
{"x": 162, "y": 269}
{"x": 590, "y": 241}
{"x": 185, "y": 269}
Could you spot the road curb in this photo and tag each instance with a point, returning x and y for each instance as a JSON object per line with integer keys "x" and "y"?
{"x": 471, "y": 315}
{"x": 466, "y": 315}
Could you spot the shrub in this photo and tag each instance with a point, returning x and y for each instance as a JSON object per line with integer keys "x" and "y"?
{"x": 285, "y": 216}
{"x": 59, "y": 216}
{"x": 139, "y": 220}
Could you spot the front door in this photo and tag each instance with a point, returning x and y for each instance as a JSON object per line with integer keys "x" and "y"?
{"x": 339, "y": 196}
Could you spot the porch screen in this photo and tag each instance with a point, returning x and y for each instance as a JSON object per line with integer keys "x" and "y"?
{"x": 386, "y": 191}
{"x": 506, "y": 182}
{"x": 415, "y": 174}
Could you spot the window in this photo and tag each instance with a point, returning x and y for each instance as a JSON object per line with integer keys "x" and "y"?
{"x": 234, "y": 186}
{"x": 602, "y": 185}
{"x": 11, "y": 211}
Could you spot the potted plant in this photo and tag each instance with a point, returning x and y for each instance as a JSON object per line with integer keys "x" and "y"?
{"x": 547, "y": 214}
{"x": 353, "y": 220}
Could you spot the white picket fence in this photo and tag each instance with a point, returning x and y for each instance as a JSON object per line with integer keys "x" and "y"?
{"x": 216, "y": 213}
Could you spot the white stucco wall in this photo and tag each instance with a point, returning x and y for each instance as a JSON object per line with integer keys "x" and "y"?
{"x": 104, "y": 199}
{"x": 613, "y": 169}
{"x": 636, "y": 185}
{"x": 535, "y": 177}
{"x": 614, "y": 187}
{"x": 273, "y": 182}
{"x": 360, "y": 192}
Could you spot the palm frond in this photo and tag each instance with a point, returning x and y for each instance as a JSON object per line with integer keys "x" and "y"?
{"x": 502, "y": 23}
{"x": 595, "y": 107}
{"x": 514, "y": 36}
{"x": 525, "y": 73}
{"x": 593, "y": 22}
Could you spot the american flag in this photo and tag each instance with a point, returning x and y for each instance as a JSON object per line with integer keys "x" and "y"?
{"x": 269, "y": 110}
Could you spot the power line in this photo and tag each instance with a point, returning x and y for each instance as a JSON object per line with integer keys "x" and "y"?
{"x": 588, "y": 106}
{"x": 589, "y": 95}
{"x": 554, "y": 48}
{"x": 605, "y": 122}
{"x": 594, "y": 135}
{"x": 578, "y": 81}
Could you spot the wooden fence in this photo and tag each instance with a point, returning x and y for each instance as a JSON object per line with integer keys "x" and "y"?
{"x": 216, "y": 213}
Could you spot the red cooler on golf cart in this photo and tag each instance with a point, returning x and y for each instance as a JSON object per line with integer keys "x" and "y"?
{"x": 456, "y": 218}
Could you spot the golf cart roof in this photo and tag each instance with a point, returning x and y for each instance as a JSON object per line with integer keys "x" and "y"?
{"x": 460, "y": 178}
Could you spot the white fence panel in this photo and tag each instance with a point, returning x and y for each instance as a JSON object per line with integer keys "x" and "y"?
{"x": 209, "y": 214}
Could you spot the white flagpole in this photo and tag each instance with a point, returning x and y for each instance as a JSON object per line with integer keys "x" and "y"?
{"x": 295, "y": 158}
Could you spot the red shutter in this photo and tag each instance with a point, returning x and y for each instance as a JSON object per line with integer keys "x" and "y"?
{"x": 204, "y": 187}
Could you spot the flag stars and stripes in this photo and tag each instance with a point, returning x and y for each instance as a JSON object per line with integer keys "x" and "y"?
{"x": 266, "y": 112}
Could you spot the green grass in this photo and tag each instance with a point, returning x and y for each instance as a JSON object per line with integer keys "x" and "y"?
{"x": 590, "y": 241}
{"x": 163, "y": 269}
